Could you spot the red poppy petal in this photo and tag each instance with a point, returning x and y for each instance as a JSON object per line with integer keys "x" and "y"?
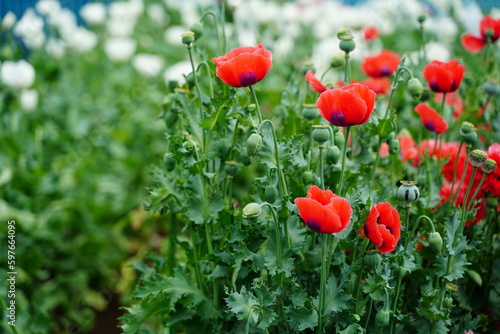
{"x": 244, "y": 70}
{"x": 314, "y": 83}
{"x": 343, "y": 209}
{"x": 322, "y": 196}
{"x": 431, "y": 119}
{"x": 472, "y": 43}
{"x": 370, "y": 228}
{"x": 318, "y": 217}
{"x": 389, "y": 242}
{"x": 439, "y": 79}
{"x": 366, "y": 94}
{"x": 489, "y": 23}
{"x": 341, "y": 108}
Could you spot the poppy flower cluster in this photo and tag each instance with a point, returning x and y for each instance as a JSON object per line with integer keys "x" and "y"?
{"x": 444, "y": 77}
{"x": 383, "y": 227}
{"x": 323, "y": 211}
{"x": 488, "y": 28}
{"x": 243, "y": 66}
{"x": 431, "y": 120}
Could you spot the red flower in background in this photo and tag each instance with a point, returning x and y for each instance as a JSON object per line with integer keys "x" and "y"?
{"x": 323, "y": 211}
{"x": 348, "y": 105}
{"x": 452, "y": 100}
{"x": 244, "y": 66}
{"x": 381, "y": 65}
{"x": 408, "y": 148}
{"x": 480, "y": 206}
{"x": 370, "y": 33}
{"x": 431, "y": 119}
{"x": 492, "y": 182}
{"x": 487, "y": 25}
{"x": 380, "y": 85}
{"x": 444, "y": 77}
{"x": 383, "y": 227}
{"x": 314, "y": 82}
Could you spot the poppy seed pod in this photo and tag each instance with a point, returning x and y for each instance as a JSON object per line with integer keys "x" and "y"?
{"x": 415, "y": 88}
{"x": 231, "y": 167}
{"x": 347, "y": 44}
{"x": 466, "y": 128}
{"x": 491, "y": 88}
{"x": 310, "y": 111}
{"x": 421, "y": 19}
{"x": 372, "y": 260}
{"x": 271, "y": 194}
{"x": 435, "y": 242}
{"x": 197, "y": 28}
{"x": 253, "y": 144}
{"x": 477, "y": 158}
{"x": 188, "y": 38}
{"x": 489, "y": 165}
{"x": 408, "y": 191}
{"x": 308, "y": 67}
{"x": 320, "y": 134}
{"x": 470, "y": 138}
{"x": 333, "y": 154}
{"x": 252, "y": 211}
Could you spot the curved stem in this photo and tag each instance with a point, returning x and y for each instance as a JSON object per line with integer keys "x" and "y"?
{"x": 259, "y": 114}
{"x": 325, "y": 72}
{"x": 464, "y": 204}
{"x": 344, "y": 150}
{"x": 189, "y": 47}
{"x": 464, "y": 173}
{"x": 473, "y": 198}
{"x": 217, "y": 30}
{"x": 207, "y": 68}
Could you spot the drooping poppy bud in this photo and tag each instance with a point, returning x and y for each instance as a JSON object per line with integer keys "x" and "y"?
{"x": 253, "y": 144}
{"x": 197, "y": 28}
{"x": 415, "y": 88}
{"x": 435, "y": 241}
{"x": 252, "y": 211}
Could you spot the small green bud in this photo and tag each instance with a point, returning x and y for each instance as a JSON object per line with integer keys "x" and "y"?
{"x": 448, "y": 302}
{"x": 489, "y": 165}
{"x": 347, "y": 44}
{"x": 394, "y": 146}
{"x": 421, "y": 19}
{"x": 356, "y": 317}
{"x": 169, "y": 162}
{"x": 197, "y": 28}
{"x": 271, "y": 194}
{"x": 477, "y": 158}
{"x": 470, "y": 138}
{"x": 333, "y": 154}
{"x": 391, "y": 136}
{"x": 491, "y": 88}
{"x": 253, "y": 144}
{"x": 308, "y": 177}
{"x": 466, "y": 128}
{"x": 408, "y": 191}
{"x": 222, "y": 149}
{"x": 338, "y": 60}
{"x": 372, "y": 260}
{"x": 231, "y": 168}
{"x": 252, "y": 211}
{"x": 308, "y": 67}
{"x": 339, "y": 139}
{"x": 475, "y": 277}
{"x": 382, "y": 318}
{"x": 310, "y": 111}
{"x": 321, "y": 134}
{"x": 415, "y": 88}
{"x": 188, "y": 38}
{"x": 435, "y": 242}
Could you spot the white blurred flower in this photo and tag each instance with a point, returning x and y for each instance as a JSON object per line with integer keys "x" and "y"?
{"x": 147, "y": 64}
{"x": 126, "y": 10}
{"x": 9, "y": 20}
{"x": 93, "y": 13}
{"x": 437, "y": 51}
{"x": 81, "y": 40}
{"x": 55, "y": 48}
{"x": 48, "y": 7}
{"x": 176, "y": 72}
{"x": 120, "y": 49}
{"x": 120, "y": 28}
{"x": 20, "y": 74}
{"x": 173, "y": 35}
{"x": 469, "y": 14}
{"x": 28, "y": 100}
{"x": 30, "y": 29}
{"x": 65, "y": 22}
{"x": 156, "y": 13}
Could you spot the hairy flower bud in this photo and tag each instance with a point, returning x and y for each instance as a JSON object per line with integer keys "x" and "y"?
{"x": 252, "y": 211}
{"x": 415, "y": 88}
{"x": 320, "y": 134}
{"x": 382, "y": 318}
{"x": 477, "y": 158}
{"x": 310, "y": 111}
{"x": 333, "y": 154}
{"x": 197, "y": 28}
{"x": 408, "y": 191}
{"x": 475, "y": 277}
{"x": 435, "y": 242}
{"x": 338, "y": 60}
{"x": 339, "y": 139}
{"x": 253, "y": 144}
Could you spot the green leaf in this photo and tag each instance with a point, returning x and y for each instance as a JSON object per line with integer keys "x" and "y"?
{"x": 375, "y": 286}
{"x": 271, "y": 256}
{"x": 302, "y": 318}
{"x": 139, "y": 313}
{"x": 243, "y": 304}
{"x": 352, "y": 329}
{"x": 335, "y": 300}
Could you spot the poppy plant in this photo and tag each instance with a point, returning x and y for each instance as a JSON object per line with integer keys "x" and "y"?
{"x": 348, "y": 105}
{"x": 323, "y": 211}
{"x": 243, "y": 66}
{"x": 488, "y": 28}
{"x": 381, "y": 65}
{"x": 431, "y": 119}
{"x": 492, "y": 184}
{"x": 444, "y": 77}
{"x": 383, "y": 227}
{"x": 314, "y": 82}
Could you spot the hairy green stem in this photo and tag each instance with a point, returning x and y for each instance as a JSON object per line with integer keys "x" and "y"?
{"x": 464, "y": 173}
{"x": 344, "y": 152}
{"x": 217, "y": 29}
{"x": 464, "y": 204}
{"x": 321, "y": 173}
{"x": 207, "y": 69}
{"x": 455, "y": 164}
{"x": 257, "y": 107}
{"x": 473, "y": 198}
{"x": 347, "y": 69}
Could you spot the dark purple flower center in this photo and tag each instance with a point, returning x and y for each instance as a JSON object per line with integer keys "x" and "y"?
{"x": 313, "y": 225}
{"x": 248, "y": 79}
{"x": 429, "y": 125}
{"x": 337, "y": 118}
{"x": 435, "y": 87}
{"x": 385, "y": 71}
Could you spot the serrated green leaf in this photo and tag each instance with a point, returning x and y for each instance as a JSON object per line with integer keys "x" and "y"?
{"x": 302, "y": 318}
{"x": 335, "y": 300}
{"x": 353, "y": 329}
{"x": 139, "y": 313}
{"x": 243, "y": 304}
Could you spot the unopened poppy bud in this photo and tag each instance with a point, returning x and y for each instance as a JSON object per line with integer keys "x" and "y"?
{"x": 310, "y": 111}
{"x": 394, "y": 146}
{"x": 271, "y": 194}
{"x": 489, "y": 165}
{"x": 400, "y": 272}
{"x": 391, "y": 136}
{"x": 477, "y": 158}
{"x": 231, "y": 167}
{"x": 333, "y": 154}
{"x": 382, "y": 318}
{"x": 169, "y": 162}
{"x": 415, "y": 88}
{"x": 491, "y": 88}
{"x": 347, "y": 44}
{"x": 466, "y": 128}
{"x": 308, "y": 67}
{"x": 308, "y": 177}
{"x": 222, "y": 149}
{"x": 188, "y": 38}
{"x": 252, "y": 211}
{"x": 448, "y": 302}
{"x": 337, "y": 61}
{"x": 435, "y": 241}
{"x": 245, "y": 159}
{"x": 339, "y": 139}
{"x": 475, "y": 277}
{"x": 421, "y": 19}
{"x": 372, "y": 260}
{"x": 253, "y": 144}
{"x": 408, "y": 191}
{"x": 470, "y": 138}
{"x": 320, "y": 134}
{"x": 197, "y": 28}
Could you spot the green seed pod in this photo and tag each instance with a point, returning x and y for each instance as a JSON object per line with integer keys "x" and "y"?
{"x": 308, "y": 178}
{"x": 339, "y": 139}
{"x": 197, "y": 28}
{"x": 475, "y": 277}
{"x": 382, "y": 318}
{"x": 394, "y": 146}
{"x": 338, "y": 60}
{"x": 489, "y": 165}
{"x": 408, "y": 191}
{"x": 188, "y": 38}
{"x": 222, "y": 149}
{"x": 271, "y": 194}
{"x": 321, "y": 134}
{"x": 169, "y": 162}
{"x": 252, "y": 211}
{"x": 421, "y": 19}
{"x": 310, "y": 111}
{"x": 477, "y": 158}
{"x": 435, "y": 242}
{"x": 332, "y": 154}
{"x": 347, "y": 44}
{"x": 231, "y": 167}
{"x": 466, "y": 128}
{"x": 308, "y": 67}
{"x": 372, "y": 260}
{"x": 470, "y": 138}
{"x": 448, "y": 302}
{"x": 415, "y": 88}
{"x": 253, "y": 144}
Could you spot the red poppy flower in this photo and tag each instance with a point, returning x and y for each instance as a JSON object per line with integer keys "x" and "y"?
{"x": 431, "y": 119}
{"x": 314, "y": 82}
{"x": 384, "y": 150}
{"x": 348, "y": 105}
{"x": 370, "y": 33}
{"x": 244, "y": 66}
{"x": 323, "y": 211}
{"x": 383, "y": 227}
{"x": 480, "y": 206}
{"x": 487, "y": 25}
{"x": 492, "y": 182}
{"x": 408, "y": 148}
{"x": 444, "y": 77}
{"x": 380, "y": 85}
{"x": 381, "y": 65}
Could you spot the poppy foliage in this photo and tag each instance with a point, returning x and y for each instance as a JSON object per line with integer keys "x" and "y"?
{"x": 444, "y": 77}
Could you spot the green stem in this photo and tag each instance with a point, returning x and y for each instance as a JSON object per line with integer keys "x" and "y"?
{"x": 326, "y": 251}
{"x": 321, "y": 174}
{"x": 207, "y": 69}
{"x": 455, "y": 169}
{"x": 347, "y": 69}
{"x": 464, "y": 204}
{"x": 369, "y": 314}
{"x": 247, "y": 326}
{"x": 172, "y": 236}
{"x": 360, "y": 274}
{"x": 464, "y": 173}
{"x": 442, "y": 103}
{"x": 259, "y": 113}
{"x": 344, "y": 150}
{"x": 473, "y": 198}
{"x": 325, "y": 72}
{"x": 217, "y": 30}
{"x": 197, "y": 272}
{"x": 189, "y": 47}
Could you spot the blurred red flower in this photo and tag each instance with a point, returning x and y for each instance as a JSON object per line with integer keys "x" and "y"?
{"x": 383, "y": 227}
{"x": 323, "y": 211}
{"x": 408, "y": 148}
{"x": 480, "y": 206}
{"x": 243, "y": 66}
{"x": 381, "y": 65}
{"x": 492, "y": 182}
{"x": 487, "y": 25}
{"x": 314, "y": 82}
{"x": 444, "y": 77}
{"x": 370, "y": 33}
{"x": 348, "y": 105}
{"x": 452, "y": 100}
{"x": 380, "y": 85}
{"x": 431, "y": 119}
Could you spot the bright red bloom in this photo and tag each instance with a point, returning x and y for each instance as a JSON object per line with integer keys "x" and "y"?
{"x": 475, "y": 44}
{"x": 431, "y": 119}
{"x": 243, "y": 66}
{"x": 480, "y": 206}
{"x": 444, "y": 77}
{"x": 380, "y": 85}
{"x": 323, "y": 211}
{"x": 348, "y": 105}
{"x": 492, "y": 181}
{"x": 408, "y": 149}
{"x": 370, "y": 33}
{"x": 383, "y": 227}
{"x": 381, "y": 65}
{"x": 314, "y": 82}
